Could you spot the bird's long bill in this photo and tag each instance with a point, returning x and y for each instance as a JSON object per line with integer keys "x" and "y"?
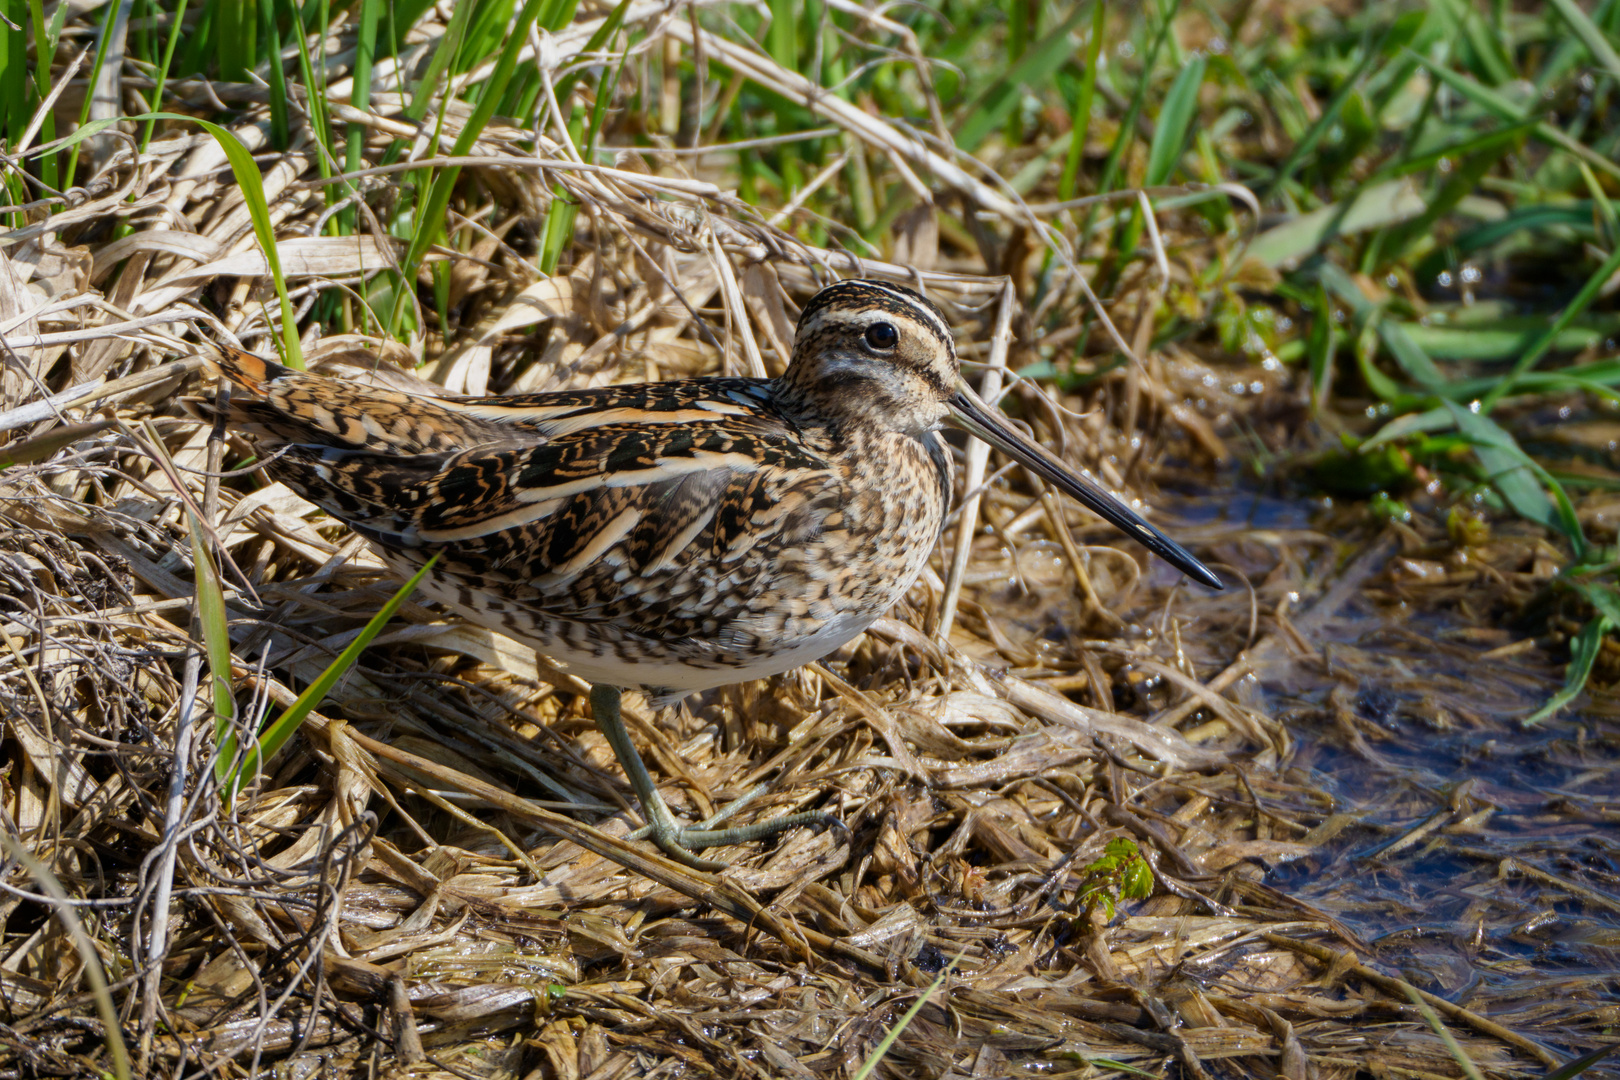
{"x": 979, "y": 420}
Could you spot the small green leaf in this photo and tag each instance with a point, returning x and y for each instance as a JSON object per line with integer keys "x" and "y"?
{"x": 1519, "y": 477}
{"x": 1138, "y": 880}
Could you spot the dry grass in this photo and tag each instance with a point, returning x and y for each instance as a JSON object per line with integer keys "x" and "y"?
{"x": 413, "y": 884}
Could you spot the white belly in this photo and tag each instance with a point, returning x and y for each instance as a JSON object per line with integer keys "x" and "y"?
{"x": 658, "y": 668}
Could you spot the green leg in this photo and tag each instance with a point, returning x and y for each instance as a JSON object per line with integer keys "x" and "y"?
{"x": 677, "y": 842}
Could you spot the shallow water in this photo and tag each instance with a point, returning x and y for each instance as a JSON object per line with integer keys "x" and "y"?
{"x": 1474, "y": 857}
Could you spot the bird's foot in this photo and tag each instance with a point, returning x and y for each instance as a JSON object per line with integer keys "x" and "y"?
{"x": 681, "y": 842}
{"x": 676, "y": 841}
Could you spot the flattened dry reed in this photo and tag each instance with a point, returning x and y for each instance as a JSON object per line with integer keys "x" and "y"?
{"x": 415, "y": 879}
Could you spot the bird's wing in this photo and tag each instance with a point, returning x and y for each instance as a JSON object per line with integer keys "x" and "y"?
{"x": 608, "y": 519}
{"x": 625, "y": 502}
{"x": 299, "y": 407}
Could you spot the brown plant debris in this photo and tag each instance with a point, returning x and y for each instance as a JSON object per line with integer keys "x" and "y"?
{"x": 433, "y": 876}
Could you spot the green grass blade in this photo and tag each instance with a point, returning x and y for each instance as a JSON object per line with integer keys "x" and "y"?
{"x": 1175, "y": 120}
{"x": 1330, "y": 116}
{"x": 103, "y": 39}
{"x": 246, "y": 171}
{"x": 888, "y": 1040}
{"x": 89, "y": 955}
{"x": 557, "y": 14}
{"x": 431, "y": 214}
{"x": 236, "y": 25}
{"x": 604, "y": 33}
{"x": 1458, "y": 1054}
{"x": 1034, "y": 70}
{"x": 1593, "y": 38}
{"x": 156, "y": 101}
{"x": 1603, "y": 598}
{"x": 782, "y": 40}
{"x": 247, "y": 175}
{"x": 365, "y": 60}
{"x": 560, "y": 218}
{"x": 1544, "y": 344}
{"x": 1436, "y": 419}
{"x": 1127, "y": 124}
{"x": 1461, "y": 182}
{"x": 1412, "y": 359}
{"x": 1320, "y": 346}
{"x": 44, "y": 52}
{"x": 268, "y": 16}
{"x": 319, "y": 113}
{"x": 14, "y": 69}
{"x": 1506, "y": 109}
{"x": 211, "y": 614}
{"x": 605, "y": 84}
{"x": 1583, "y": 653}
{"x": 215, "y": 630}
{"x": 1080, "y": 115}
{"x": 1457, "y": 150}
{"x": 275, "y": 736}
{"x": 1571, "y": 1069}
{"x": 443, "y": 55}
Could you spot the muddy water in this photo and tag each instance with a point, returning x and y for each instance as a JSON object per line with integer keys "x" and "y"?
{"x": 1473, "y": 856}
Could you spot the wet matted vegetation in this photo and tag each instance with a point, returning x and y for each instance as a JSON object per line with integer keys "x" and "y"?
{"x": 1329, "y": 290}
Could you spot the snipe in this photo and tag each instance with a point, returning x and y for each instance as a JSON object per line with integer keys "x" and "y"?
{"x": 672, "y": 536}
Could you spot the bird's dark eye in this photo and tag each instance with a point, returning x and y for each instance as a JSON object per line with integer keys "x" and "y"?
{"x": 882, "y": 335}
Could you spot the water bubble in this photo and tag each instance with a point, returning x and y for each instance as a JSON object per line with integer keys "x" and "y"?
{"x": 1444, "y": 279}
{"x": 1472, "y": 275}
